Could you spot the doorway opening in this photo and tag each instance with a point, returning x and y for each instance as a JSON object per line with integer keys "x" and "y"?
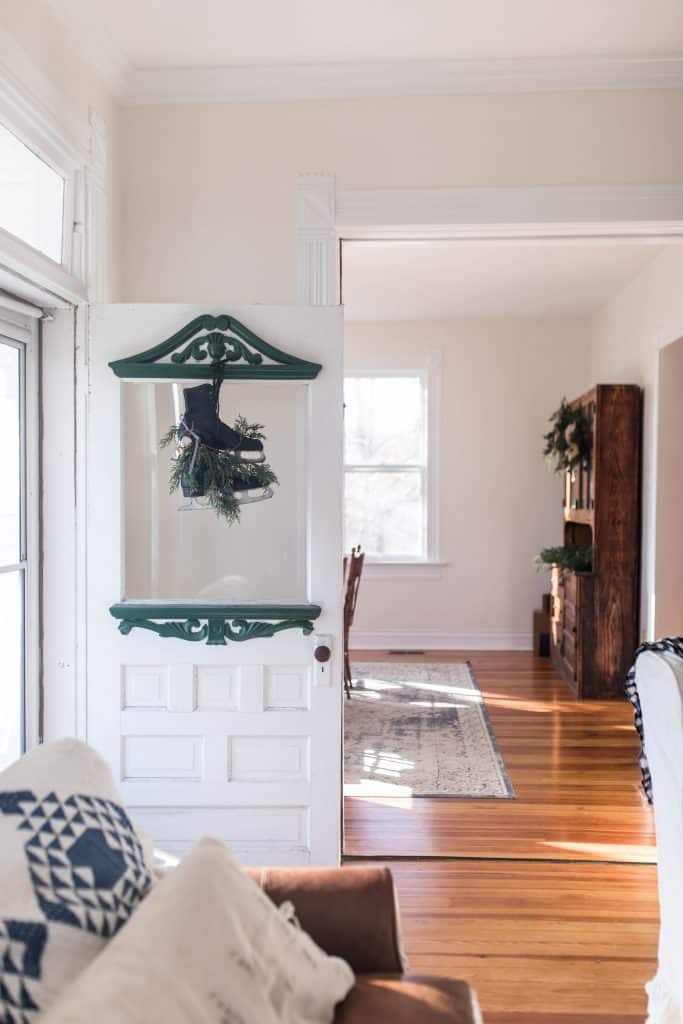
{"x": 451, "y": 506}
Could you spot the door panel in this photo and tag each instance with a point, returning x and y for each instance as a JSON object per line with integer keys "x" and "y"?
{"x": 240, "y": 740}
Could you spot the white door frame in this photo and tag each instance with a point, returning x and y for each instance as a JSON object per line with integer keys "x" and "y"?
{"x": 326, "y": 216}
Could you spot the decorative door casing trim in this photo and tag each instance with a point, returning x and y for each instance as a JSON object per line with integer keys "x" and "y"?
{"x": 326, "y": 216}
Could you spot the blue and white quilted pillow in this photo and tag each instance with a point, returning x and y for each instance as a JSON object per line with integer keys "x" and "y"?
{"x": 72, "y": 871}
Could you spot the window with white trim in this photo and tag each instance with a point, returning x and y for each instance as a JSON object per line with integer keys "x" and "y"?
{"x": 386, "y": 465}
{"x": 19, "y": 542}
{"x": 31, "y": 197}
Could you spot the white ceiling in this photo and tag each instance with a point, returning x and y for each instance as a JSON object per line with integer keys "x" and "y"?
{"x": 214, "y": 33}
{"x": 144, "y": 37}
{"x": 464, "y": 280}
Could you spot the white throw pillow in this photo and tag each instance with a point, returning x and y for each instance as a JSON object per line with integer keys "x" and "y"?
{"x": 72, "y": 870}
{"x": 207, "y": 946}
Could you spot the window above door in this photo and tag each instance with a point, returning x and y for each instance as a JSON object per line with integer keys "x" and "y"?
{"x": 52, "y": 190}
{"x": 31, "y": 197}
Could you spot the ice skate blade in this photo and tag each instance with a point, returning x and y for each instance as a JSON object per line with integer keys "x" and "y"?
{"x": 252, "y": 499}
{"x": 247, "y": 456}
{"x": 194, "y": 505}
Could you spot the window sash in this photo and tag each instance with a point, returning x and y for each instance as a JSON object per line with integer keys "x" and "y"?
{"x": 422, "y": 377}
{"x": 23, "y": 336}
{"x": 54, "y": 181}
{"x": 423, "y": 468}
{"x": 422, "y": 472}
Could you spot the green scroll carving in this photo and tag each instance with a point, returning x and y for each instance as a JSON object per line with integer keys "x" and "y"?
{"x": 216, "y": 624}
{"x": 211, "y": 346}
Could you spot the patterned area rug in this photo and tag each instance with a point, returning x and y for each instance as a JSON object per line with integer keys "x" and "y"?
{"x": 420, "y": 730}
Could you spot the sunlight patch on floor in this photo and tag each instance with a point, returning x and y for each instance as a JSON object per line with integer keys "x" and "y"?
{"x": 373, "y": 686}
{"x": 385, "y": 762}
{"x": 379, "y": 788}
{"x": 608, "y": 851}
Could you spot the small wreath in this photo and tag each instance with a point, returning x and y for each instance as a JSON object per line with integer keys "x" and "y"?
{"x": 568, "y": 443}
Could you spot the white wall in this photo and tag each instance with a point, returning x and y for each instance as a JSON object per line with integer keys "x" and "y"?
{"x": 669, "y": 496}
{"x": 32, "y": 25}
{"x": 626, "y": 338}
{"x": 499, "y": 501}
{"x": 210, "y": 188}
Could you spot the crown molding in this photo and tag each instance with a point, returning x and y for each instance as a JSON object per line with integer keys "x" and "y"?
{"x": 405, "y": 78}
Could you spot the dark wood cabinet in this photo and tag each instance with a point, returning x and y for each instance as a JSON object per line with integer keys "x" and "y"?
{"x": 594, "y": 622}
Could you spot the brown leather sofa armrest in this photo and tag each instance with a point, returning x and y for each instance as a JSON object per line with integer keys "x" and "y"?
{"x": 349, "y": 912}
{"x": 409, "y": 999}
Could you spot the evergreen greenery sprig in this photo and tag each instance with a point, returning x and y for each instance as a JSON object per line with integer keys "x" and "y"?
{"x": 568, "y": 442}
{"x": 215, "y": 473}
{"x": 568, "y": 558}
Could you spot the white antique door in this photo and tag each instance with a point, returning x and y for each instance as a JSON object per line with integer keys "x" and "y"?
{"x": 203, "y": 693}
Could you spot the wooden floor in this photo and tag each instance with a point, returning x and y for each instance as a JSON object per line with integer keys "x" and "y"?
{"x": 572, "y": 764}
{"x": 546, "y": 904}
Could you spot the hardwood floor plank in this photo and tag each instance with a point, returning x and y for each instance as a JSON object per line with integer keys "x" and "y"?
{"x": 548, "y": 906}
{"x": 559, "y": 943}
{"x": 572, "y": 764}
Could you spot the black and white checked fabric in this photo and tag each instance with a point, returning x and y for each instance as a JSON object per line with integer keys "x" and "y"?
{"x": 670, "y": 645}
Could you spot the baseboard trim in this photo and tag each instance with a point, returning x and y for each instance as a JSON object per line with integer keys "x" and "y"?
{"x": 440, "y": 640}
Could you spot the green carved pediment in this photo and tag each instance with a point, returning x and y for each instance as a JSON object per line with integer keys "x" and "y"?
{"x": 211, "y": 346}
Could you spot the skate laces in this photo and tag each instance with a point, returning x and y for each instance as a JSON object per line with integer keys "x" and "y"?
{"x": 196, "y": 440}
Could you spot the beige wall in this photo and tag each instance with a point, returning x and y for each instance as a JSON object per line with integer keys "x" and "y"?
{"x": 626, "y": 338}
{"x": 35, "y": 28}
{"x": 499, "y": 501}
{"x": 669, "y": 545}
{"x": 209, "y": 189}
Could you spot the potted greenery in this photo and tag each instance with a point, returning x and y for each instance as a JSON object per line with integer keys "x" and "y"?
{"x": 567, "y": 558}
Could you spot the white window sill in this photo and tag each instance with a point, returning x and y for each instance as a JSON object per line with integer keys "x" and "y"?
{"x": 427, "y": 569}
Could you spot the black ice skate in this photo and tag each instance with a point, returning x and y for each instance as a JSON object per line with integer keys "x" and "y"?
{"x": 201, "y": 423}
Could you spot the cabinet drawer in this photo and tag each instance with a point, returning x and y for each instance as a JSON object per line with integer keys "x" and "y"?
{"x": 569, "y": 648}
{"x": 569, "y": 585}
{"x": 569, "y": 616}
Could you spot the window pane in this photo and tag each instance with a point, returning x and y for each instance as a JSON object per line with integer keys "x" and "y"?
{"x": 31, "y": 197}
{"x": 384, "y": 513}
{"x": 171, "y": 555}
{"x": 12, "y": 672}
{"x": 384, "y": 421}
{"x": 10, "y": 477}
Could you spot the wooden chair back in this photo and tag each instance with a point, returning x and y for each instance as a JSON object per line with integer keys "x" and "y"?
{"x": 353, "y": 569}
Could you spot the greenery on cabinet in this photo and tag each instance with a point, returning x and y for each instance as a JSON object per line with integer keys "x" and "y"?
{"x": 569, "y": 440}
{"x": 567, "y": 558}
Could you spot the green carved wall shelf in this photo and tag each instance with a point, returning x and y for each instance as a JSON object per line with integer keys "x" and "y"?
{"x": 211, "y": 346}
{"x": 213, "y": 623}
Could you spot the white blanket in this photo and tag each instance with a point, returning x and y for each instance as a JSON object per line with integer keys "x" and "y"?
{"x": 207, "y": 946}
